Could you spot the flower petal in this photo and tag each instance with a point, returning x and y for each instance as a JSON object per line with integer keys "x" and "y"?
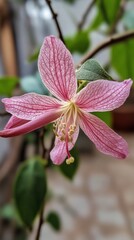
{"x": 56, "y": 68}
{"x": 30, "y": 126}
{"x": 103, "y": 95}
{"x": 15, "y": 122}
{"x": 105, "y": 139}
{"x": 59, "y": 153}
{"x": 30, "y": 106}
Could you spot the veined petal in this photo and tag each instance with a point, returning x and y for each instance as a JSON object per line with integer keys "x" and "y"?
{"x": 30, "y": 106}
{"x": 105, "y": 139}
{"x": 30, "y": 126}
{"x": 103, "y": 95}
{"x": 15, "y": 122}
{"x": 59, "y": 153}
{"x": 57, "y": 69}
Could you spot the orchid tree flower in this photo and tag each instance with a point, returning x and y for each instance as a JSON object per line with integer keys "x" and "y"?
{"x": 67, "y": 110}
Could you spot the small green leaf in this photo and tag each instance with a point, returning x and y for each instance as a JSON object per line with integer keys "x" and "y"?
{"x": 7, "y": 85}
{"x": 79, "y": 42}
{"x": 105, "y": 116}
{"x": 9, "y": 212}
{"x": 122, "y": 59}
{"x": 54, "y": 220}
{"x": 109, "y": 9}
{"x": 96, "y": 22}
{"x": 128, "y": 19}
{"x": 33, "y": 57}
{"x": 70, "y": 170}
{"x": 30, "y": 190}
{"x": 33, "y": 84}
{"x": 91, "y": 70}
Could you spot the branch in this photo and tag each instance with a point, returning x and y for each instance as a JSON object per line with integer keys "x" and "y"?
{"x": 3, "y": 114}
{"x": 49, "y": 3}
{"x": 41, "y": 221}
{"x": 85, "y": 15}
{"x": 116, "y": 38}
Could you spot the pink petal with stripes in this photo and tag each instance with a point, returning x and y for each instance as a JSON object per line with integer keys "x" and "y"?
{"x": 105, "y": 139}
{"x": 15, "y": 122}
{"x": 103, "y": 95}
{"x": 59, "y": 153}
{"x": 57, "y": 69}
{"x": 30, "y": 126}
{"x": 30, "y": 106}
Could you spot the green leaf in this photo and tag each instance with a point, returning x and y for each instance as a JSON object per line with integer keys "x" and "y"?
{"x": 54, "y": 220}
{"x": 79, "y": 42}
{"x": 7, "y": 85}
{"x": 97, "y": 21}
{"x": 128, "y": 19}
{"x": 33, "y": 57}
{"x": 70, "y": 170}
{"x": 9, "y": 212}
{"x": 33, "y": 84}
{"x": 30, "y": 190}
{"x": 91, "y": 70}
{"x": 122, "y": 59}
{"x": 105, "y": 116}
{"x": 109, "y": 9}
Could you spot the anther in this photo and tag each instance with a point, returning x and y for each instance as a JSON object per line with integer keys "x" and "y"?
{"x": 63, "y": 131}
{"x": 71, "y": 132}
{"x": 70, "y": 139}
{"x": 62, "y": 138}
{"x": 70, "y": 160}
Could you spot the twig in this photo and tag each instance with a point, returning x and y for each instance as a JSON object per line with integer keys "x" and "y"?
{"x": 41, "y": 221}
{"x": 3, "y": 114}
{"x": 49, "y": 3}
{"x": 116, "y": 38}
{"x": 44, "y": 150}
{"x": 85, "y": 15}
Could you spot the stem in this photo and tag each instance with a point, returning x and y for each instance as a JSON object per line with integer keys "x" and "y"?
{"x": 41, "y": 221}
{"x": 85, "y": 15}
{"x": 55, "y": 16}
{"x": 116, "y": 38}
{"x": 44, "y": 150}
{"x": 3, "y": 114}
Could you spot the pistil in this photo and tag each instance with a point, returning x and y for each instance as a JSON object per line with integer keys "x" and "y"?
{"x": 64, "y": 128}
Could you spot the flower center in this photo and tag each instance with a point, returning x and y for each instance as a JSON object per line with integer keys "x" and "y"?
{"x": 65, "y": 126}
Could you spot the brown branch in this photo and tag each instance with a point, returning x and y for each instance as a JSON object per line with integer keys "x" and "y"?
{"x": 85, "y": 15}
{"x": 55, "y": 16}
{"x": 116, "y": 38}
{"x": 3, "y": 114}
{"x": 41, "y": 221}
{"x": 44, "y": 150}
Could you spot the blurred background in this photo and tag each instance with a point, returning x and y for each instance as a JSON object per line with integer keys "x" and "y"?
{"x": 94, "y": 198}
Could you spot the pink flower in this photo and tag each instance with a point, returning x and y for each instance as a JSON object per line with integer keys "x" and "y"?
{"x": 69, "y": 110}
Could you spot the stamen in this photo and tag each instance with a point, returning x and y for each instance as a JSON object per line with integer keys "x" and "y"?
{"x": 65, "y": 126}
{"x": 70, "y": 160}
